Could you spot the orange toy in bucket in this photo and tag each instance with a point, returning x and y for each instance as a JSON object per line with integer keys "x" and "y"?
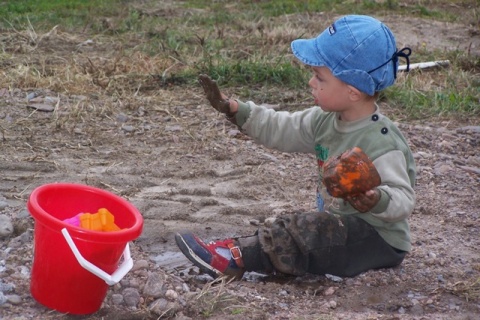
{"x": 103, "y": 220}
{"x": 72, "y": 266}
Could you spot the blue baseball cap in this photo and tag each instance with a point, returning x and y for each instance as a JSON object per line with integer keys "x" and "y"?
{"x": 359, "y": 50}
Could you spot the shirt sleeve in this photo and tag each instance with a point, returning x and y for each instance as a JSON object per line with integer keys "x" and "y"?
{"x": 397, "y": 199}
{"x": 284, "y": 131}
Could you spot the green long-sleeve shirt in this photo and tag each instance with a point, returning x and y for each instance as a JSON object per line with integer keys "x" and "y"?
{"x": 324, "y": 134}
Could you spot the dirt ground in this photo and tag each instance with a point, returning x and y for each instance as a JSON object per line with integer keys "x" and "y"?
{"x": 185, "y": 167}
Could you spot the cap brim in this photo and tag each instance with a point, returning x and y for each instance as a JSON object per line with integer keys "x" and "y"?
{"x": 306, "y": 51}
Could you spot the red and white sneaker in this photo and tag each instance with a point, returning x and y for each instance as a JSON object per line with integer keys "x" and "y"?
{"x": 217, "y": 258}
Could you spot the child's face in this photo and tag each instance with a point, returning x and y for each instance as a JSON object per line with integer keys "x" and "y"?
{"x": 330, "y": 93}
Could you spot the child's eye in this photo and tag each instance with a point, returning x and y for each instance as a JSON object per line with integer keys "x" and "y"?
{"x": 318, "y": 78}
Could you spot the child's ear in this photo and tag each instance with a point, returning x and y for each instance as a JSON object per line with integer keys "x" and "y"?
{"x": 354, "y": 93}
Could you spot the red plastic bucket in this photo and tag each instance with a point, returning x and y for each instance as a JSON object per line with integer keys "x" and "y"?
{"x": 58, "y": 280}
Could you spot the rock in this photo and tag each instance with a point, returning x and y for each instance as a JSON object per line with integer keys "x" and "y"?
{"x": 3, "y": 204}
{"x": 164, "y": 308}
{"x": 3, "y": 298}
{"x": 334, "y": 278}
{"x": 171, "y": 294}
{"x": 417, "y": 310}
{"x": 122, "y": 117}
{"x": 140, "y": 264}
{"x": 117, "y": 299}
{"x": 42, "y": 107}
{"x": 159, "y": 305}
{"x": 6, "y": 226}
{"x": 471, "y": 169}
{"x": 14, "y": 299}
{"x": 128, "y": 128}
{"x": 32, "y": 95}
{"x": 154, "y": 286}
{"x": 174, "y": 128}
{"x": 134, "y": 283}
{"x": 233, "y": 132}
{"x": 131, "y": 296}
{"x": 6, "y": 287}
{"x": 442, "y": 169}
{"x": 329, "y": 291}
{"x": 468, "y": 129}
{"x": 51, "y": 100}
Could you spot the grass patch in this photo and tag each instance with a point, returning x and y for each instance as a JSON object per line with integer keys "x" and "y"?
{"x": 44, "y": 14}
{"x": 286, "y": 7}
{"x": 265, "y": 72}
{"x": 138, "y": 47}
{"x": 215, "y": 299}
{"x": 440, "y": 92}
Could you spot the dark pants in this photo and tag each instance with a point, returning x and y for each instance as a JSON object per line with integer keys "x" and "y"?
{"x": 318, "y": 243}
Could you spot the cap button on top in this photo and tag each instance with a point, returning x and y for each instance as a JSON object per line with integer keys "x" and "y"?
{"x": 375, "y": 117}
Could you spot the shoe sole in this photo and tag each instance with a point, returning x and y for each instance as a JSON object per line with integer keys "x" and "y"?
{"x": 196, "y": 260}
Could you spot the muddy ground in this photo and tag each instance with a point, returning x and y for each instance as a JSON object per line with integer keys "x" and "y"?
{"x": 185, "y": 167}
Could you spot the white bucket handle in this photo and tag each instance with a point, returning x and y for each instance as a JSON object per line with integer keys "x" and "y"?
{"x": 118, "y": 275}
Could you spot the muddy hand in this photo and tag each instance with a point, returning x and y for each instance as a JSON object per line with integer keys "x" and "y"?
{"x": 364, "y": 202}
{"x": 217, "y": 99}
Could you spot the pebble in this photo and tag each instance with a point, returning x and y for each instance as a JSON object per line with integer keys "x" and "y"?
{"x": 6, "y": 287}
{"x": 122, "y": 117}
{"x": 6, "y": 226}
{"x": 3, "y": 298}
{"x": 21, "y": 240}
{"x": 131, "y": 297}
{"x": 31, "y": 95}
{"x": 158, "y": 305}
{"x": 154, "y": 286}
{"x": 334, "y": 278}
{"x": 134, "y": 283}
{"x": 171, "y": 294}
{"x": 117, "y": 299}
{"x": 173, "y": 128}
{"x": 329, "y": 291}
{"x": 332, "y": 304}
{"x": 417, "y": 310}
{"x": 139, "y": 265}
{"x": 3, "y": 204}
{"x": 164, "y": 307}
{"x": 128, "y": 128}
{"x": 14, "y": 299}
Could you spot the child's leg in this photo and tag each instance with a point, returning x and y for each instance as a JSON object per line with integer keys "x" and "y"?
{"x": 295, "y": 244}
{"x": 322, "y": 243}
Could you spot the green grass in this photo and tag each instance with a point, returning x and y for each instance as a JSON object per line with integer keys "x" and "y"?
{"x": 71, "y": 14}
{"x": 419, "y": 104}
{"x": 44, "y": 14}
{"x": 443, "y": 92}
{"x": 281, "y": 7}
